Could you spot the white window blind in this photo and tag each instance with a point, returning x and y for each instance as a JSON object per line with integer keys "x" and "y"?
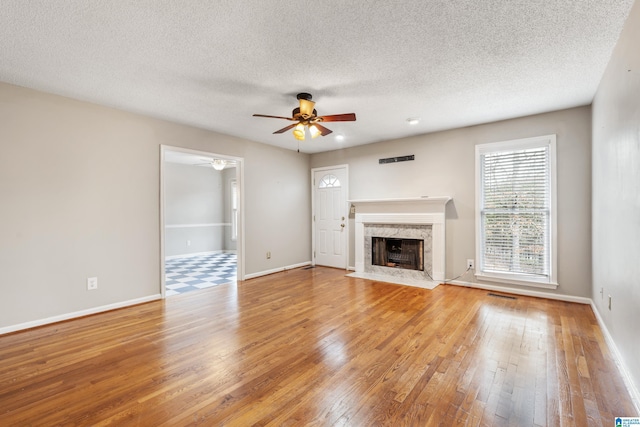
{"x": 516, "y": 212}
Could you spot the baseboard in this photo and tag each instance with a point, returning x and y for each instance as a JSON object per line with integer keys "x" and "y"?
{"x": 524, "y": 292}
{"x": 622, "y": 367}
{"x": 351, "y": 268}
{"x": 276, "y": 270}
{"x": 76, "y": 314}
{"x": 232, "y": 251}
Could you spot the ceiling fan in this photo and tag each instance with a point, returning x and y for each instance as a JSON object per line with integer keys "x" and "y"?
{"x": 306, "y": 117}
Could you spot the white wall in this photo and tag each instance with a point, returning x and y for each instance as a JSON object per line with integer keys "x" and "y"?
{"x": 280, "y": 197}
{"x": 444, "y": 165}
{"x": 193, "y": 195}
{"x": 616, "y": 195}
{"x": 80, "y": 196}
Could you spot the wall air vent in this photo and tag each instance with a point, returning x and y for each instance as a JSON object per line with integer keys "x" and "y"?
{"x": 397, "y": 159}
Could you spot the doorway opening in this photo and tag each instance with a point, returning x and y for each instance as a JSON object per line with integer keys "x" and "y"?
{"x": 201, "y": 220}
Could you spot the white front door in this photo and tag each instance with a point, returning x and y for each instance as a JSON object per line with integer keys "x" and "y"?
{"x": 330, "y": 216}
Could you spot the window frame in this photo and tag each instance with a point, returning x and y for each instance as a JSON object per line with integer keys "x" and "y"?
{"x": 550, "y": 282}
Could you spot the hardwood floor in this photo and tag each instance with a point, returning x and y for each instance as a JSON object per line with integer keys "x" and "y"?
{"x": 312, "y": 347}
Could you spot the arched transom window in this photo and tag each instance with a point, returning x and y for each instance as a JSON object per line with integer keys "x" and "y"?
{"x": 329, "y": 181}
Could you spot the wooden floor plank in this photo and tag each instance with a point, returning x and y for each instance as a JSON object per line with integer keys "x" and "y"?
{"x": 313, "y": 347}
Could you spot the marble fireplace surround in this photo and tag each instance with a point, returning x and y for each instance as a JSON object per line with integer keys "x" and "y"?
{"x": 421, "y": 217}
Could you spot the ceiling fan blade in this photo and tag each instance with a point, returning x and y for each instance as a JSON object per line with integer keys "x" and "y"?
{"x": 349, "y": 117}
{"x": 284, "y": 129}
{"x": 273, "y": 117}
{"x": 323, "y": 130}
{"x": 306, "y": 107}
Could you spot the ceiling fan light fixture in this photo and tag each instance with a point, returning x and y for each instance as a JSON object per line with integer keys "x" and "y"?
{"x": 314, "y": 131}
{"x": 218, "y": 164}
{"x": 298, "y": 132}
{"x": 308, "y": 119}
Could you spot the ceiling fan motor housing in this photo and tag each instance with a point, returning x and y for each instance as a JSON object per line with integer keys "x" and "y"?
{"x": 296, "y": 114}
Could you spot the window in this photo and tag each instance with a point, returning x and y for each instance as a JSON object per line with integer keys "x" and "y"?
{"x": 516, "y": 219}
{"x": 329, "y": 181}
{"x": 234, "y": 209}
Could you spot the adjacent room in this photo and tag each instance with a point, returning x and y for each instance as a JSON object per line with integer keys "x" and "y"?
{"x": 200, "y": 212}
{"x": 341, "y": 213}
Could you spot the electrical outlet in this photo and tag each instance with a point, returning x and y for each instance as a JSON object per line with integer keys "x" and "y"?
{"x": 471, "y": 264}
{"x": 269, "y": 255}
{"x": 188, "y": 242}
{"x": 609, "y": 302}
{"x": 92, "y": 283}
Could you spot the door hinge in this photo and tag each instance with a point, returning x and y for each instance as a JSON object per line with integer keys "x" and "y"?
{"x": 314, "y": 217}
{"x": 314, "y": 254}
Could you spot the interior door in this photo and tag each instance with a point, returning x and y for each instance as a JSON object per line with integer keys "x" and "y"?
{"x": 330, "y": 216}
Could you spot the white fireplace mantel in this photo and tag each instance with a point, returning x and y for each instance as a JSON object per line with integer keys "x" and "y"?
{"x": 409, "y": 204}
{"x": 407, "y": 211}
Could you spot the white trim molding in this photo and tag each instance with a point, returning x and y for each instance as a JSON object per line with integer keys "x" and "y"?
{"x": 276, "y": 270}
{"x": 524, "y": 292}
{"x": 213, "y": 224}
{"x": 439, "y": 201}
{"x": 76, "y": 314}
{"x": 225, "y": 251}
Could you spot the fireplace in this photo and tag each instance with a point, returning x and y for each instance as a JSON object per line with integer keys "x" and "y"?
{"x": 396, "y": 220}
{"x": 398, "y": 253}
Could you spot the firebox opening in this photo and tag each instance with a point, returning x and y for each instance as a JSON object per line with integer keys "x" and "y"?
{"x": 398, "y": 253}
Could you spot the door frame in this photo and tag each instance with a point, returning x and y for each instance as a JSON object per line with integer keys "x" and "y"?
{"x": 240, "y": 270}
{"x": 313, "y": 212}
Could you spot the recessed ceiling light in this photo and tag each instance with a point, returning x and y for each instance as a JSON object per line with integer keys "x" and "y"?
{"x": 339, "y": 137}
{"x": 413, "y": 120}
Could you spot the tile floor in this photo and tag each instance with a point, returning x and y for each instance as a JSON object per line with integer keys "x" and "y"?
{"x": 199, "y": 272}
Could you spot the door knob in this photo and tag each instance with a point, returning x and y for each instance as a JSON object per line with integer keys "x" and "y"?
{"x": 342, "y": 225}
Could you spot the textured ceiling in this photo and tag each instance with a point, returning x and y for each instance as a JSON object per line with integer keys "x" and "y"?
{"x": 213, "y": 64}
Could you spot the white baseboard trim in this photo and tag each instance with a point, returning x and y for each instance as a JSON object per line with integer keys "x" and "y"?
{"x": 276, "y": 270}
{"x": 200, "y": 253}
{"x": 525, "y": 292}
{"x": 622, "y": 367}
{"x": 76, "y": 314}
{"x": 351, "y": 268}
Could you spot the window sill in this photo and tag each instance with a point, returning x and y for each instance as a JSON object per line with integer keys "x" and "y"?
{"x": 516, "y": 280}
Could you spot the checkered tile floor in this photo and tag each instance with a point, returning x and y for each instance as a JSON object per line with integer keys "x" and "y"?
{"x": 199, "y": 272}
